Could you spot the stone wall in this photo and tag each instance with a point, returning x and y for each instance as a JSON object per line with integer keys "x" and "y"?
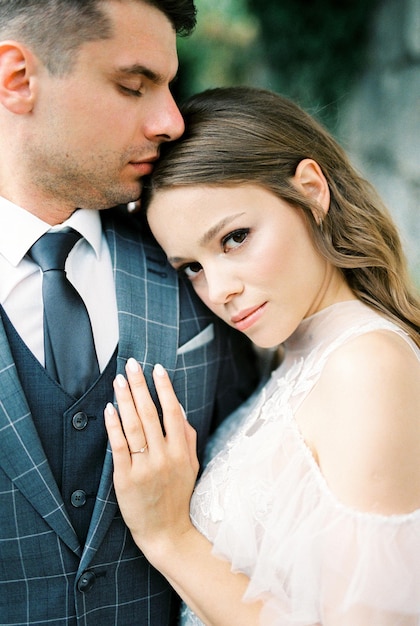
{"x": 380, "y": 124}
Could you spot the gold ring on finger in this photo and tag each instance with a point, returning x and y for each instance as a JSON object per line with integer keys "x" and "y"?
{"x": 143, "y": 449}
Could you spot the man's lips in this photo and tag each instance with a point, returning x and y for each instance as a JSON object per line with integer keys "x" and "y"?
{"x": 144, "y": 166}
{"x": 246, "y": 318}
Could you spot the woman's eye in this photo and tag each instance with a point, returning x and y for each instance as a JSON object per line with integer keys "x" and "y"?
{"x": 235, "y": 239}
{"x": 191, "y": 270}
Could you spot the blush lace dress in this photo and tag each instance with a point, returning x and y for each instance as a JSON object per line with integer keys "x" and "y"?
{"x": 264, "y": 504}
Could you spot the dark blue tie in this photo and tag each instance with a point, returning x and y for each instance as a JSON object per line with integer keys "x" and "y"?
{"x": 70, "y": 356}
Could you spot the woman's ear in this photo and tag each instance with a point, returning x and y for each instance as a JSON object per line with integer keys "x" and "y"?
{"x": 310, "y": 180}
{"x": 16, "y": 74}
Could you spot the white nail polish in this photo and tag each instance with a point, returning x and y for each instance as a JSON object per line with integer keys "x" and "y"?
{"x": 121, "y": 382}
{"x": 110, "y": 409}
{"x": 132, "y": 365}
{"x": 159, "y": 369}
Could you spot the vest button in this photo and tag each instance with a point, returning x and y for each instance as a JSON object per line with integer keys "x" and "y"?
{"x": 80, "y": 420}
{"x": 78, "y": 498}
{"x": 86, "y": 581}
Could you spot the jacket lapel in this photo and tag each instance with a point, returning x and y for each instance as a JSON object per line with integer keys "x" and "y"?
{"x": 147, "y": 300}
{"x": 22, "y": 457}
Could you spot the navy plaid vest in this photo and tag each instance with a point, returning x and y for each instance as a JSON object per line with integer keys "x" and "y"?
{"x": 71, "y": 431}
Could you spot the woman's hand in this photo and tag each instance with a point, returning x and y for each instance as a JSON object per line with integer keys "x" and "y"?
{"x": 154, "y": 474}
{"x": 154, "y": 477}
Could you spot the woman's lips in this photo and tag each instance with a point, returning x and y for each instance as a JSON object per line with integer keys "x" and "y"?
{"x": 246, "y": 318}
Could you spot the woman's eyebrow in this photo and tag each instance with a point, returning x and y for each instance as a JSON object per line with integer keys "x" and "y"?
{"x": 216, "y": 228}
{"x": 208, "y": 235}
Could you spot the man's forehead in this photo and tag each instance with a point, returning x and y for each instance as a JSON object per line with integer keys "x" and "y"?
{"x": 143, "y": 41}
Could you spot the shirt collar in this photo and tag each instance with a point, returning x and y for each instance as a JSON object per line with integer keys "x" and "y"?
{"x": 87, "y": 222}
{"x": 19, "y": 229}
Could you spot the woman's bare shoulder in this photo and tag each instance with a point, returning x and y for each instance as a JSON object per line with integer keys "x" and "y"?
{"x": 366, "y": 424}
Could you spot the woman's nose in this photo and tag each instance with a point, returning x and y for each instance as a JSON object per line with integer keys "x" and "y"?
{"x": 223, "y": 287}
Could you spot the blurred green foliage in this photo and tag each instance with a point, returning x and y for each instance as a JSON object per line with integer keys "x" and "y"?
{"x": 221, "y": 49}
{"x": 309, "y": 50}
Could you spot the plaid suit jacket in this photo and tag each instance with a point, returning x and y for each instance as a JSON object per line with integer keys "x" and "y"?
{"x": 46, "y": 577}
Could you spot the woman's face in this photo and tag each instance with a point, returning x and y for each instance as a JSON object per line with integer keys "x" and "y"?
{"x": 248, "y": 255}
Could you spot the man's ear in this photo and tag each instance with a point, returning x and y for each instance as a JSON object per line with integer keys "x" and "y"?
{"x": 310, "y": 180}
{"x": 16, "y": 77}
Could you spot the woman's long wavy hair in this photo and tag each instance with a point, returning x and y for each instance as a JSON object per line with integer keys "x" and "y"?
{"x": 241, "y": 135}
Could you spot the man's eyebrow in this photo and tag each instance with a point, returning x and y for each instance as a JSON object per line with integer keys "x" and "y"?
{"x": 210, "y": 234}
{"x": 142, "y": 70}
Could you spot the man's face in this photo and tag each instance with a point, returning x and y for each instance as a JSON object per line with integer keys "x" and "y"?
{"x": 95, "y": 130}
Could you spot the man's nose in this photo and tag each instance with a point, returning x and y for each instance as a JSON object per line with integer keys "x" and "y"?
{"x": 165, "y": 122}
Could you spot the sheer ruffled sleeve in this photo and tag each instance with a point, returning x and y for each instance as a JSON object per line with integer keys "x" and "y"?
{"x": 265, "y": 506}
{"x": 314, "y": 560}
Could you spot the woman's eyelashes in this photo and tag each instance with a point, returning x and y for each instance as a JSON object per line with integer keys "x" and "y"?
{"x": 234, "y": 239}
{"x": 190, "y": 270}
{"x": 229, "y": 242}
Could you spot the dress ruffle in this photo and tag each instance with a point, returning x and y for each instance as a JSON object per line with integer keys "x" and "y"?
{"x": 267, "y": 508}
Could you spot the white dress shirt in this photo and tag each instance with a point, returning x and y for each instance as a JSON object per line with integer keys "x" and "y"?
{"x": 88, "y": 268}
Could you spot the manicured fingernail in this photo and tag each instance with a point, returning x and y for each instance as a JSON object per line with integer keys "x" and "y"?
{"x": 183, "y": 411}
{"x": 110, "y": 409}
{"x": 121, "y": 382}
{"x": 159, "y": 370}
{"x": 132, "y": 365}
